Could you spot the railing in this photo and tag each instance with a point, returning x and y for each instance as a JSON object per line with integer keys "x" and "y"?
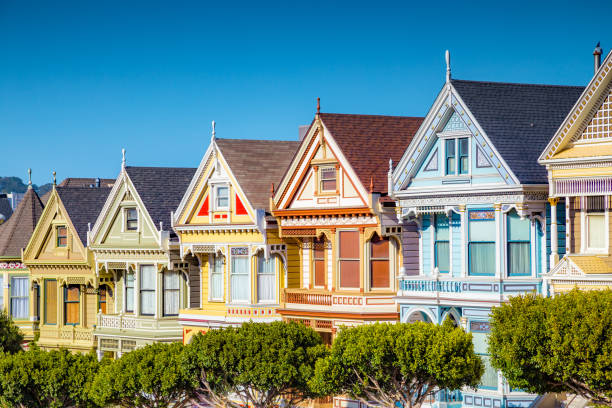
{"x": 303, "y": 298}
{"x": 69, "y": 333}
{"x": 421, "y": 285}
{"x": 449, "y": 396}
{"x": 123, "y": 322}
{"x": 116, "y": 321}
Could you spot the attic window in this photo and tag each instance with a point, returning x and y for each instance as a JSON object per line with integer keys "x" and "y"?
{"x": 328, "y": 179}
{"x": 62, "y": 236}
{"x": 131, "y": 219}
{"x": 221, "y": 197}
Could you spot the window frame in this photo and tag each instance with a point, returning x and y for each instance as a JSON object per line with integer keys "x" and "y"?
{"x": 320, "y": 171}
{"x": 470, "y": 242}
{"x": 585, "y": 213}
{"x": 212, "y": 264}
{"x": 319, "y": 241}
{"x": 126, "y": 287}
{"x": 67, "y": 302}
{"x": 447, "y": 156}
{"x": 340, "y": 259}
{"x": 141, "y": 290}
{"x": 515, "y": 241}
{"x": 247, "y": 256}
{"x": 436, "y": 241}
{"x": 26, "y": 297}
{"x": 58, "y": 236}
{"x": 272, "y": 259}
{"x": 45, "y": 301}
{"x": 454, "y": 140}
{"x": 177, "y": 290}
{"x": 461, "y": 154}
{"x": 100, "y": 301}
{"x": 2, "y": 291}
{"x": 129, "y": 220}
{"x": 390, "y": 262}
{"x": 216, "y": 195}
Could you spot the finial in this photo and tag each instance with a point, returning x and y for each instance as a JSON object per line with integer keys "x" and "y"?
{"x": 318, "y": 105}
{"x": 272, "y": 190}
{"x": 29, "y": 179}
{"x": 371, "y": 184}
{"x": 54, "y": 179}
{"x": 448, "y": 68}
{"x": 213, "y": 131}
{"x": 123, "y": 158}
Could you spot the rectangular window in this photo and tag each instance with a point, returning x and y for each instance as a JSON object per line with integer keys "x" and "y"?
{"x": 216, "y": 277}
{"x": 450, "y": 157}
{"x": 1, "y": 292}
{"x": 102, "y": 299}
{"x": 239, "y": 275}
{"x": 129, "y": 292}
{"x": 442, "y": 244}
{"x": 222, "y": 198}
{"x": 147, "y": 290}
{"x": 481, "y": 247}
{"x": 349, "y": 259}
{"x": 596, "y": 227}
{"x": 328, "y": 178}
{"x": 131, "y": 219}
{"x": 172, "y": 293}
{"x": 72, "y": 295}
{"x": 379, "y": 262}
{"x": 50, "y": 301}
{"x": 519, "y": 248}
{"x": 489, "y": 377}
{"x": 266, "y": 281}
{"x": 318, "y": 259}
{"x": 62, "y": 236}
{"x": 20, "y": 297}
{"x": 464, "y": 155}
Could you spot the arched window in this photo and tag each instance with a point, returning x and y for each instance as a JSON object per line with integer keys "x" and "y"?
{"x": 519, "y": 245}
{"x": 266, "y": 279}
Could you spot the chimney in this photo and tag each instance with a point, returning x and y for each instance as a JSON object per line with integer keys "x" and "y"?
{"x": 302, "y": 130}
{"x": 97, "y": 182}
{"x": 597, "y": 55}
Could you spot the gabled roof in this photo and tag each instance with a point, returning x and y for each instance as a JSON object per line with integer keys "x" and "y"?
{"x": 257, "y": 164}
{"x": 519, "y": 119}
{"x": 85, "y": 182}
{"x": 161, "y": 190}
{"x": 369, "y": 141}
{"x": 15, "y": 233}
{"x": 83, "y": 205}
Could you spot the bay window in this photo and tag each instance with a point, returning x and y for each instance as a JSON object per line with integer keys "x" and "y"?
{"x": 481, "y": 246}
{"x": 147, "y": 289}
{"x": 172, "y": 293}
{"x": 216, "y": 277}
{"x": 20, "y": 298}
{"x": 349, "y": 259}
{"x": 129, "y": 292}
{"x": 379, "y": 262}
{"x": 266, "y": 279}
{"x": 318, "y": 260}
{"x": 519, "y": 248}
{"x": 72, "y": 298}
{"x": 442, "y": 243}
{"x": 239, "y": 275}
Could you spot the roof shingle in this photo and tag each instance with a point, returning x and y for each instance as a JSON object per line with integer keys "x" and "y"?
{"x": 83, "y": 205}
{"x": 16, "y": 232}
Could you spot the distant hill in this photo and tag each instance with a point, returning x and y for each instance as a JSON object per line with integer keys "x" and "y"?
{"x": 16, "y": 185}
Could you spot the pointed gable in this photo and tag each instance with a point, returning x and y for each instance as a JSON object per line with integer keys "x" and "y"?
{"x": 16, "y": 232}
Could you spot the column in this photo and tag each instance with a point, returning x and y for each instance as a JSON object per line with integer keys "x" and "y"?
{"x": 464, "y": 240}
{"x": 362, "y": 264}
{"x": 554, "y": 232}
{"x": 334, "y": 259}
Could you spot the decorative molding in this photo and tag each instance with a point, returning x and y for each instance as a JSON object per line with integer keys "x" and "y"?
{"x": 12, "y": 265}
{"x": 327, "y": 221}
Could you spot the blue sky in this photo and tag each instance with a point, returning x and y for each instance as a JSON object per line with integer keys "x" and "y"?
{"x": 81, "y": 80}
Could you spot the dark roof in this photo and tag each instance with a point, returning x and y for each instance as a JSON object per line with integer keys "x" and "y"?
{"x": 257, "y": 164}
{"x": 5, "y": 207}
{"x": 161, "y": 190}
{"x": 85, "y": 182}
{"x": 16, "y": 232}
{"x": 369, "y": 141}
{"x": 83, "y": 205}
{"x": 520, "y": 119}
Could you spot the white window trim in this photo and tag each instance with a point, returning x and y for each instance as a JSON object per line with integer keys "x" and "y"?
{"x": 124, "y": 219}
{"x": 584, "y": 228}
{"x": 249, "y": 300}
{"x": 456, "y": 136}
{"x": 320, "y": 174}
{"x": 211, "y": 263}
{"x": 214, "y": 196}
{"x": 275, "y": 281}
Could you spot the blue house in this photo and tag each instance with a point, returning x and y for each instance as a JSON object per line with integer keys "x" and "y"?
{"x": 471, "y": 183}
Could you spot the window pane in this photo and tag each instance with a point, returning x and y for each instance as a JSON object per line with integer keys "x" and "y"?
{"x": 463, "y": 146}
{"x": 222, "y": 197}
{"x": 20, "y": 297}
{"x": 380, "y": 273}
{"x": 349, "y": 274}
{"x": 50, "y": 301}
{"x": 519, "y": 258}
{"x": 482, "y": 230}
{"x": 265, "y": 279}
{"x": 450, "y": 147}
{"x": 216, "y": 278}
{"x": 72, "y": 313}
{"x": 171, "y": 280}
{"x": 349, "y": 244}
{"x": 441, "y": 228}
{"x": 482, "y": 258}
{"x": 518, "y": 230}
{"x": 71, "y": 304}
{"x": 129, "y": 292}
{"x": 1, "y": 292}
{"x": 102, "y": 299}
{"x": 147, "y": 289}
{"x": 239, "y": 281}
{"x": 328, "y": 185}
{"x": 443, "y": 256}
{"x": 464, "y": 165}
{"x": 171, "y": 293}
{"x": 379, "y": 247}
{"x": 319, "y": 273}
{"x": 489, "y": 378}
{"x": 147, "y": 277}
{"x": 328, "y": 173}
{"x": 147, "y": 302}
{"x": 597, "y": 231}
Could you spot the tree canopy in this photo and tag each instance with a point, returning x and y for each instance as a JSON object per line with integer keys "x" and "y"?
{"x": 559, "y": 344}
{"x": 382, "y": 364}
{"x": 150, "y": 376}
{"x": 10, "y": 336}
{"x": 46, "y": 379}
{"x": 256, "y": 364}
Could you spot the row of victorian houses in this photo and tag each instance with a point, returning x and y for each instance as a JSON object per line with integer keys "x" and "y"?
{"x": 502, "y": 189}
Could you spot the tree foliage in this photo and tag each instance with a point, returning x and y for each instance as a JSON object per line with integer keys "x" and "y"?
{"x": 151, "y": 376}
{"x": 46, "y": 379}
{"x": 382, "y": 364}
{"x": 560, "y": 344}
{"x": 257, "y": 364}
{"x": 10, "y": 336}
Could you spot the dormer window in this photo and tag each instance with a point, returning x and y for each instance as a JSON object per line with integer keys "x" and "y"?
{"x": 62, "y": 236}
{"x": 131, "y": 219}
{"x": 221, "y": 198}
{"x": 328, "y": 179}
{"x": 457, "y": 156}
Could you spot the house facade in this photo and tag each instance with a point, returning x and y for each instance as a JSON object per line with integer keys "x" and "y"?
{"x": 142, "y": 282}
{"x": 579, "y": 164}
{"x": 224, "y": 226}
{"x": 62, "y": 268}
{"x": 471, "y": 182}
{"x": 332, "y": 206}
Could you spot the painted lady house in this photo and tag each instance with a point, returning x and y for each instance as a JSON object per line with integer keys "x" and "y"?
{"x": 62, "y": 268}
{"x": 332, "y": 205}
{"x": 471, "y": 181}
{"x": 223, "y": 222}
{"x": 579, "y": 163}
{"x": 17, "y": 293}
{"x": 142, "y": 282}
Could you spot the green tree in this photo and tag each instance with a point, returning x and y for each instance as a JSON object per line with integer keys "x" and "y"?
{"x": 46, "y": 379}
{"x": 150, "y": 376}
{"x": 10, "y": 336}
{"x": 258, "y": 364}
{"x": 382, "y": 364}
{"x": 559, "y": 344}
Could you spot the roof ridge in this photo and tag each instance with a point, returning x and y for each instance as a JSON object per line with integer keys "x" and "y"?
{"x": 159, "y": 167}
{"x": 255, "y": 140}
{"x": 372, "y": 116}
{"x": 516, "y": 83}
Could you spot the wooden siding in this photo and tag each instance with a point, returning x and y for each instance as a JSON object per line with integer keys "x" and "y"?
{"x": 561, "y": 229}
{"x": 293, "y": 265}
{"x": 410, "y": 248}
{"x": 194, "y": 284}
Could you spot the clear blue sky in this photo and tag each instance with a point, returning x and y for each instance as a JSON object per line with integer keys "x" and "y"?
{"x": 80, "y": 80}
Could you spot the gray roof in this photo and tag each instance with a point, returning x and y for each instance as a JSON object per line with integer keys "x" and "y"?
{"x": 161, "y": 190}
{"x": 83, "y": 205}
{"x": 520, "y": 119}
{"x": 5, "y": 207}
{"x": 16, "y": 232}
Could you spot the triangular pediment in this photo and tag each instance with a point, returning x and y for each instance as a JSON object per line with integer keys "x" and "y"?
{"x": 320, "y": 177}
{"x": 450, "y": 148}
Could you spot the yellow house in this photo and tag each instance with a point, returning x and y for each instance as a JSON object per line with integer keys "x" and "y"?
{"x": 579, "y": 164}
{"x": 223, "y": 222}
{"x": 63, "y": 268}
{"x": 17, "y": 293}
